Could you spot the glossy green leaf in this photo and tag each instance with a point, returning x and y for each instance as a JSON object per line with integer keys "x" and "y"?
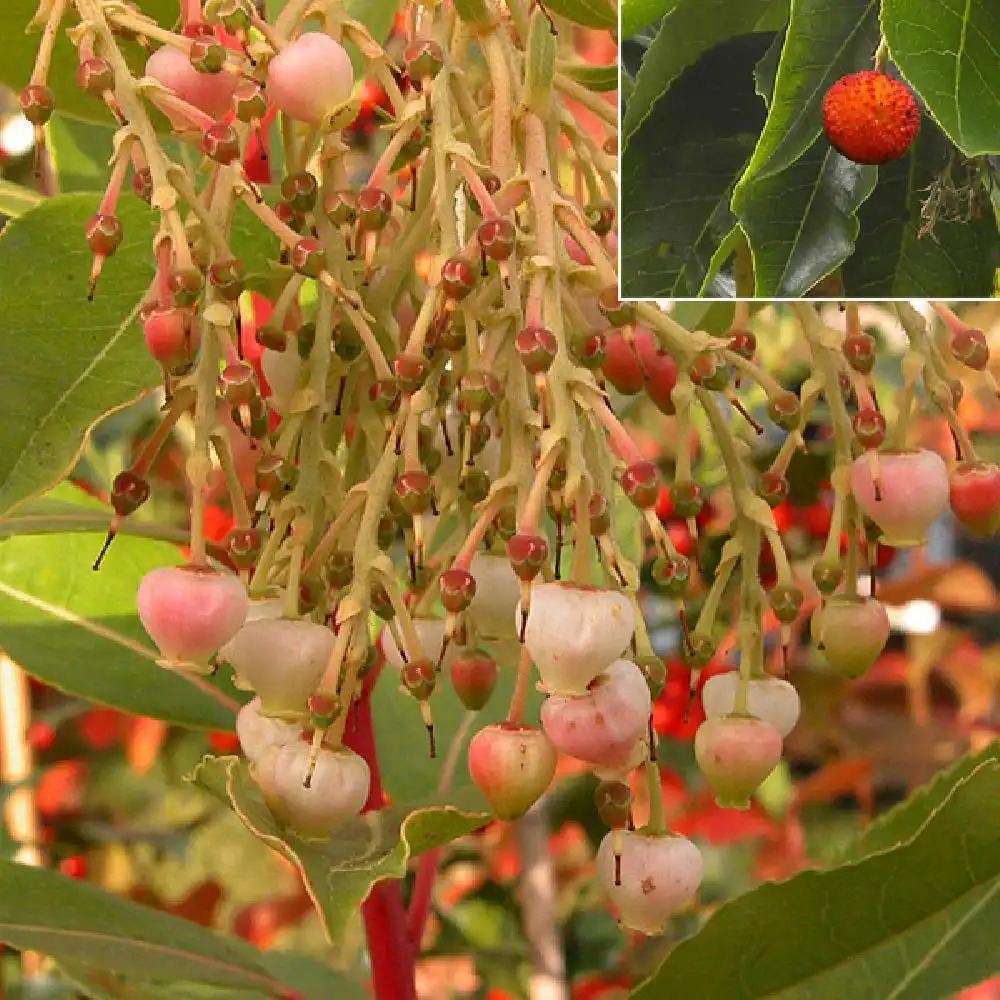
{"x": 78, "y": 630}
{"x": 310, "y": 978}
{"x": 15, "y": 199}
{"x": 64, "y": 361}
{"x": 690, "y": 29}
{"x": 825, "y": 40}
{"x": 679, "y": 169}
{"x": 902, "y": 823}
{"x": 20, "y": 49}
{"x": 66, "y": 918}
{"x": 340, "y": 872}
{"x": 917, "y": 922}
{"x": 634, "y": 15}
{"x": 80, "y": 152}
{"x": 591, "y": 13}
{"x": 892, "y": 260}
{"x": 948, "y": 52}
{"x": 801, "y": 223}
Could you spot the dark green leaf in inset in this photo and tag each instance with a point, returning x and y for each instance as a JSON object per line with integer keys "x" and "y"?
{"x": 825, "y": 40}
{"x": 955, "y": 259}
{"x": 949, "y": 51}
{"x": 801, "y": 223}
{"x": 679, "y": 169}
{"x": 690, "y": 30}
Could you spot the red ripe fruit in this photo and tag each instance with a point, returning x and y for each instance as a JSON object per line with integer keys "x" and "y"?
{"x": 974, "y": 492}
{"x": 870, "y": 117}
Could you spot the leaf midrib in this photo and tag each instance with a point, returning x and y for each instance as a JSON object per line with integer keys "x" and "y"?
{"x": 142, "y": 945}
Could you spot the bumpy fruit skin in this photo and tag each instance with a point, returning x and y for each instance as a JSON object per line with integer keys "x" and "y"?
{"x": 974, "y": 493}
{"x": 913, "y": 494}
{"x": 497, "y": 592}
{"x": 659, "y": 874}
{"x": 852, "y": 632}
{"x": 512, "y": 765}
{"x": 337, "y": 792}
{"x": 258, "y": 733}
{"x": 574, "y": 633}
{"x": 210, "y": 92}
{"x": 309, "y": 77}
{"x": 870, "y": 117}
{"x": 189, "y": 612}
{"x": 602, "y": 726}
{"x": 282, "y": 660}
{"x": 770, "y": 699}
{"x": 736, "y": 753}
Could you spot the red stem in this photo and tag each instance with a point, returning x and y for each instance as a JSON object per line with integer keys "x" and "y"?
{"x": 389, "y": 947}
{"x": 420, "y": 898}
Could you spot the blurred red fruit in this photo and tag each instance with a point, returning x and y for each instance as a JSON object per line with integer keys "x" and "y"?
{"x": 41, "y": 736}
{"x": 74, "y": 866}
{"x": 224, "y": 743}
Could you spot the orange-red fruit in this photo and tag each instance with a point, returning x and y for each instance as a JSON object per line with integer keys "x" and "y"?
{"x": 870, "y": 117}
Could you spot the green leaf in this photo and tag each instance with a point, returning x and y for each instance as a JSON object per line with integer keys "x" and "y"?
{"x": 690, "y": 29}
{"x": 20, "y": 49}
{"x": 308, "y": 976}
{"x": 914, "y": 923}
{"x": 892, "y": 259}
{"x": 80, "y": 151}
{"x": 601, "y": 79}
{"x": 78, "y": 630}
{"x": 634, "y": 15}
{"x": 64, "y": 361}
{"x": 591, "y": 13}
{"x": 339, "y": 873}
{"x": 70, "y": 919}
{"x": 948, "y": 53}
{"x": 825, "y": 40}
{"x": 801, "y": 223}
{"x": 902, "y": 823}
{"x": 15, "y": 199}
{"x": 679, "y": 169}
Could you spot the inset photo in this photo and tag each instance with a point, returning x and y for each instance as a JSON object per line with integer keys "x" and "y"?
{"x": 776, "y": 150}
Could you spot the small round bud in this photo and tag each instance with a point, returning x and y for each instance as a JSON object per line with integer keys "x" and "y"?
{"x": 414, "y": 490}
{"x": 601, "y": 216}
{"x": 859, "y": 349}
{"x": 95, "y": 76}
{"x": 341, "y": 207}
{"x": 773, "y": 487}
{"x": 458, "y": 588}
{"x": 497, "y": 238}
{"x": 673, "y": 575}
{"x": 300, "y": 191}
{"x": 786, "y": 602}
{"x": 220, "y": 143}
{"x": 207, "y": 55}
{"x": 104, "y": 234}
{"x": 537, "y": 348}
{"x": 307, "y": 257}
{"x": 243, "y": 546}
{"x": 458, "y": 278}
{"x": 527, "y": 554}
{"x": 641, "y": 483}
{"x": 588, "y": 348}
{"x": 687, "y": 497}
{"x": 37, "y": 103}
{"x": 249, "y": 101}
{"x": 128, "y": 492}
{"x": 969, "y": 346}
{"x": 785, "y": 410}
{"x": 423, "y": 59}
